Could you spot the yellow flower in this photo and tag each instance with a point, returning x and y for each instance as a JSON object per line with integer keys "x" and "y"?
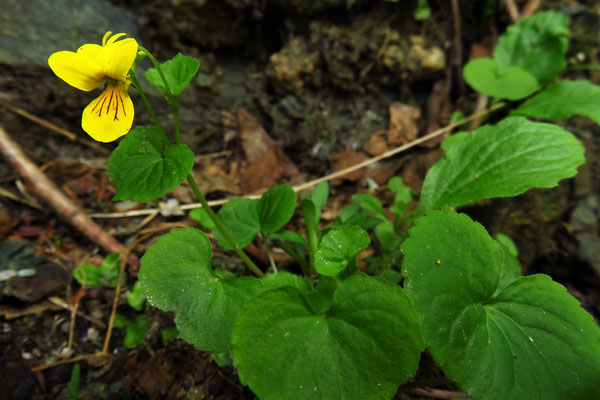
{"x": 110, "y": 115}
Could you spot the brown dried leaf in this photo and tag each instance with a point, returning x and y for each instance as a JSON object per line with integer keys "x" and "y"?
{"x": 255, "y": 140}
{"x": 403, "y": 124}
{"x": 346, "y": 159}
{"x": 212, "y": 178}
{"x": 438, "y": 112}
{"x": 414, "y": 172}
{"x": 268, "y": 170}
{"x": 154, "y": 378}
{"x": 377, "y": 144}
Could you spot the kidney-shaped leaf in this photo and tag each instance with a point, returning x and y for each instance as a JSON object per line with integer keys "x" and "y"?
{"x": 363, "y": 347}
{"x": 504, "y": 82}
{"x": 176, "y": 275}
{"x": 531, "y": 340}
{"x": 501, "y": 160}
{"x": 563, "y": 100}
{"x": 276, "y": 207}
{"x": 145, "y": 165}
{"x": 338, "y": 248}
{"x": 178, "y": 72}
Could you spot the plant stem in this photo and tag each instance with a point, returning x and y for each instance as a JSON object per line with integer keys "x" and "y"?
{"x": 175, "y": 107}
{"x": 172, "y": 100}
{"x": 156, "y": 64}
{"x": 268, "y": 248}
{"x": 215, "y": 219}
{"x": 136, "y": 83}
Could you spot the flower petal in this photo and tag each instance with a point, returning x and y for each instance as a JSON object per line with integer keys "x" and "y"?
{"x": 109, "y": 116}
{"x": 113, "y": 38}
{"x": 105, "y": 38}
{"x": 79, "y": 70}
{"x": 119, "y": 57}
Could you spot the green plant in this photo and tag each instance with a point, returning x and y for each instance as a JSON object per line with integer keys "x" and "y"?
{"x": 107, "y": 274}
{"x": 74, "y": 382}
{"x": 338, "y": 333}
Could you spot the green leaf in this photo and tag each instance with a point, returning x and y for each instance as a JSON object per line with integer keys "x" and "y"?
{"x": 364, "y": 346}
{"x": 504, "y": 82}
{"x": 169, "y": 334}
{"x": 501, "y": 160}
{"x": 283, "y": 279}
{"x": 386, "y": 235}
{"x": 370, "y": 203}
{"x": 351, "y": 215}
{"x": 563, "y": 100}
{"x": 201, "y": 216}
{"x": 240, "y": 218}
{"x": 135, "y": 296}
{"x": 402, "y": 198}
{"x": 453, "y": 139}
{"x": 422, "y": 11}
{"x": 178, "y": 72}
{"x": 320, "y": 194}
{"x": 289, "y": 236}
{"x": 531, "y": 340}
{"x": 74, "y": 381}
{"x": 276, "y": 207}
{"x": 176, "y": 275}
{"x": 145, "y": 165}
{"x": 135, "y": 329}
{"x": 511, "y": 267}
{"x": 339, "y": 247}
{"x": 223, "y": 359}
{"x": 537, "y": 44}
{"x": 107, "y": 274}
{"x": 321, "y": 299}
{"x": 312, "y": 225}
{"x": 508, "y": 243}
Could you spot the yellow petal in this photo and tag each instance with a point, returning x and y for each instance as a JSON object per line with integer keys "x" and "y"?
{"x": 78, "y": 70}
{"x": 109, "y": 116}
{"x": 113, "y": 39}
{"x": 119, "y": 57}
{"x": 105, "y": 38}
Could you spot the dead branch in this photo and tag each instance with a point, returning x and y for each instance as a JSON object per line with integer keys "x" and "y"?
{"x": 46, "y": 190}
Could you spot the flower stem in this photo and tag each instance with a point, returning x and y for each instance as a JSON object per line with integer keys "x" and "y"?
{"x": 175, "y": 107}
{"x": 172, "y": 100}
{"x": 156, "y": 64}
{"x": 215, "y": 219}
{"x": 136, "y": 83}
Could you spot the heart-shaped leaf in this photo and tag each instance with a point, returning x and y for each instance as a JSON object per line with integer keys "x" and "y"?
{"x": 364, "y": 346}
{"x": 504, "y": 82}
{"x": 145, "y": 165}
{"x": 501, "y": 160}
{"x": 176, "y": 275}
{"x": 276, "y": 207}
{"x": 178, "y": 72}
{"x": 339, "y": 247}
{"x": 530, "y": 340}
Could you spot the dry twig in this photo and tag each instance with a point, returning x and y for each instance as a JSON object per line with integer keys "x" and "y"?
{"x": 45, "y": 189}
